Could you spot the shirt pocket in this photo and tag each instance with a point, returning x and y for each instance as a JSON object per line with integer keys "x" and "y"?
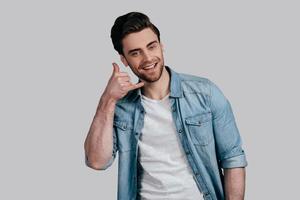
{"x": 124, "y": 135}
{"x": 200, "y": 128}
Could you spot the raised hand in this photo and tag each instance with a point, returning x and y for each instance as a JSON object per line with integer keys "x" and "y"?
{"x": 119, "y": 84}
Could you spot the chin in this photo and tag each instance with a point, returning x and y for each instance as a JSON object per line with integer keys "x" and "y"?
{"x": 156, "y": 77}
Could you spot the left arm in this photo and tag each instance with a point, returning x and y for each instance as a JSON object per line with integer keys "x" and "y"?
{"x": 229, "y": 149}
{"x": 234, "y": 180}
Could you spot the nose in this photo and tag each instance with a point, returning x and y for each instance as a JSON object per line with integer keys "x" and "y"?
{"x": 147, "y": 56}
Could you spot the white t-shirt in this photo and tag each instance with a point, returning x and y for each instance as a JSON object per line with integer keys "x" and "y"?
{"x": 166, "y": 173}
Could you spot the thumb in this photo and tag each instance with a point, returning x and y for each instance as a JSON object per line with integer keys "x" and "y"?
{"x": 116, "y": 68}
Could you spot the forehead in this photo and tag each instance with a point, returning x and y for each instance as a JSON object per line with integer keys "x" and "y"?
{"x": 139, "y": 39}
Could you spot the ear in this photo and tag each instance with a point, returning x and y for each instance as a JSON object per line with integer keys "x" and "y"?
{"x": 123, "y": 59}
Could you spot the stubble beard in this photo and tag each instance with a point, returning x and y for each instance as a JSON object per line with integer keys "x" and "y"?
{"x": 151, "y": 77}
{"x": 155, "y": 76}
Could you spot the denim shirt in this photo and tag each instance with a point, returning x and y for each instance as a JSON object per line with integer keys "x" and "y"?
{"x": 205, "y": 125}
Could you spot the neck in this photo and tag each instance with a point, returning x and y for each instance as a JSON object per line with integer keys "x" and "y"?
{"x": 158, "y": 89}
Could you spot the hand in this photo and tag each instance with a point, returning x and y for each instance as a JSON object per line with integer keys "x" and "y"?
{"x": 119, "y": 84}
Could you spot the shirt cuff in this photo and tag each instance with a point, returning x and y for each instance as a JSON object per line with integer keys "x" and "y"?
{"x": 234, "y": 162}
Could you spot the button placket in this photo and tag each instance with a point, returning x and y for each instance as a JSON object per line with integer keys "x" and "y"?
{"x": 173, "y": 108}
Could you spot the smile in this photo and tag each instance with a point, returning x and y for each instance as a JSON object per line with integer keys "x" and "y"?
{"x": 150, "y": 66}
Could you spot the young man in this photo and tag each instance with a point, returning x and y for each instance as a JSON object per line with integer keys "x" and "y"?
{"x": 175, "y": 133}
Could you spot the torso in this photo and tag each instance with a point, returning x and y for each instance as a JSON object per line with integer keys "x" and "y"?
{"x": 165, "y": 171}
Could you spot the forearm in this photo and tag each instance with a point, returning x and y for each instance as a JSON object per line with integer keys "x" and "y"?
{"x": 99, "y": 141}
{"x": 234, "y": 183}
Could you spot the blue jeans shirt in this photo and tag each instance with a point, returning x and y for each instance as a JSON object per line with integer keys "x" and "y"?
{"x": 205, "y": 125}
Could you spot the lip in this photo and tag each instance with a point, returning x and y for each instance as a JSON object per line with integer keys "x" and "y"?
{"x": 153, "y": 66}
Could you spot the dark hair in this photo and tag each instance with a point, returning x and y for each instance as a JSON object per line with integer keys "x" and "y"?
{"x": 130, "y": 23}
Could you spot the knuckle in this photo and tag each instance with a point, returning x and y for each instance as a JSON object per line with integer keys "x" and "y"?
{"x": 123, "y": 88}
{"x": 115, "y": 74}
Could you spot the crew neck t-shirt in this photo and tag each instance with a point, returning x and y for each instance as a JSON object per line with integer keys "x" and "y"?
{"x": 165, "y": 172}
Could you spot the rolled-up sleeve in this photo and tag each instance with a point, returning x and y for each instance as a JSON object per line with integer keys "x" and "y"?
{"x": 229, "y": 149}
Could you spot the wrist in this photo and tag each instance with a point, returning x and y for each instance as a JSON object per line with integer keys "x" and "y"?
{"x": 108, "y": 99}
{"x": 106, "y": 104}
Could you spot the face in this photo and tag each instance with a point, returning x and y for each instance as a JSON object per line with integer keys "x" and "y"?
{"x": 143, "y": 54}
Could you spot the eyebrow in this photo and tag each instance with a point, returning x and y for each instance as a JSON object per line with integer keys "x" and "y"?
{"x": 137, "y": 49}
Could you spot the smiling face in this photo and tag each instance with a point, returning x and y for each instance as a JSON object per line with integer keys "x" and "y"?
{"x": 143, "y": 54}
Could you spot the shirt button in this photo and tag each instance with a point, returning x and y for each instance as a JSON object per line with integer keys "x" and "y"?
{"x": 187, "y": 152}
{"x": 180, "y": 130}
{"x": 173, "y": 108}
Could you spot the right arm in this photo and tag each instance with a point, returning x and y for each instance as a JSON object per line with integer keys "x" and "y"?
{"x": 98, "y": 144}
{"x": 99, "y": 141}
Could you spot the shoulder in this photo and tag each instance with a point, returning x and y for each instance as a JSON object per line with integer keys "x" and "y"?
{"x": 196, "y": 84}
{"x": 192, "y": 78}
{"x": 204, "y": 86}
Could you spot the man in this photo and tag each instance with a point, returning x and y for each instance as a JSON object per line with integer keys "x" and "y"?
{"x": 175, "y": 133}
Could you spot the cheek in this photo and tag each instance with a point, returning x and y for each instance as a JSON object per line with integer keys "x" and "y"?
{"x": 134, "y": 63}
{"x": 159, "y": 53}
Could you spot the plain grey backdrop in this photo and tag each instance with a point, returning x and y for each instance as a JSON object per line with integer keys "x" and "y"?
{"x": 55, "y": 59}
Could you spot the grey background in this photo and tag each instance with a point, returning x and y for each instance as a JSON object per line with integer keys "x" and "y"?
{"x": 55, "y": 59}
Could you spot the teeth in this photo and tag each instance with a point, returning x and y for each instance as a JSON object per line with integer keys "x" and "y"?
{"x": 149, "y": 67}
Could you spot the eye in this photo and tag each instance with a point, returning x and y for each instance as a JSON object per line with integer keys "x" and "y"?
{"x": 134, "y": 53}
{"x": 152, "y": 46}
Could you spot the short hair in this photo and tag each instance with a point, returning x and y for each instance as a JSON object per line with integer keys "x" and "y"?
{"x": 130, "y": 23}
